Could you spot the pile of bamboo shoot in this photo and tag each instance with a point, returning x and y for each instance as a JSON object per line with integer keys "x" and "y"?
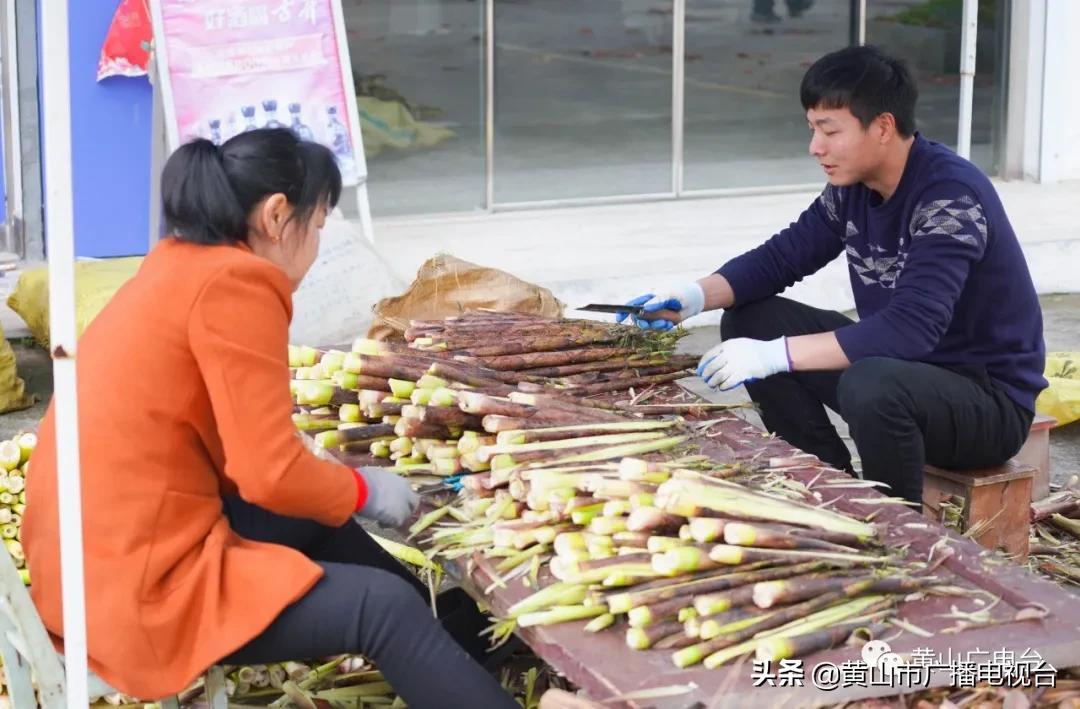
{"x": 14, "y": 466}
{"x": 586, "y": 356}
{"x": 340, "y": 681}
{"x": 439, "y": 405}
{"x": 682, "y": 555}
{"x": 1055, "y": 535}
{"x": 343, "y": 679}
{"x": 600, "y": 507}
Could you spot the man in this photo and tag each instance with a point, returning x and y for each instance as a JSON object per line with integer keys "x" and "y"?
{"x": 947, "y": 357}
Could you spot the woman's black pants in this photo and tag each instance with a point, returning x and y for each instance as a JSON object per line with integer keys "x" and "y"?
{"x": 901, "y": 414}
{"x": 368, "y": 603}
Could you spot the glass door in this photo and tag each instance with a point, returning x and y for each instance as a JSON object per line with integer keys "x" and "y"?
{"x": 417, "y": 68}
{"x": 582, "y": 99}
{"x": 22, "y": 215}
{"x": 582, "y": 93}
{"x": 745, "y": 59}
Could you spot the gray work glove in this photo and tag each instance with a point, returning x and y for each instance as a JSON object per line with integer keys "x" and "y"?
{"x": 390, "y": 500}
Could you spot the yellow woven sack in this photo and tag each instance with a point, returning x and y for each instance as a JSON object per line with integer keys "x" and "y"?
{"x": 389, "y": 124}
{"x": 1062, "y": 398}
{"x": 13, "y": 394}
{"x": 95, "y": 283}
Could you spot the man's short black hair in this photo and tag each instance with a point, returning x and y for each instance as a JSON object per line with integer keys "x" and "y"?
{"x": 867, "y": 82}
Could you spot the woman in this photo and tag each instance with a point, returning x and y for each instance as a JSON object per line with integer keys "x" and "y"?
{"x": 211, "y": 534}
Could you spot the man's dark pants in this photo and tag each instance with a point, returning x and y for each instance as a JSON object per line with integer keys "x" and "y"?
{"x": 901, "y": 414}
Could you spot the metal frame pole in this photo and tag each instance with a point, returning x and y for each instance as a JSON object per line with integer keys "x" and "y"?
{"x": 489, "y": 105}
{"x": 857, "y": 22}
{"x": 59, "y": 234}
{"x": 862, "y": 23}
{"x": 158, "y": 152}
{"x": 12, "y": 131}
{"x": 28, "y": 68}
{"x": 678, "y": 94}
{"x": 968, "y": 38}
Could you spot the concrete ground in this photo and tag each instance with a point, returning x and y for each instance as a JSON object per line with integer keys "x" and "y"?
{"x": 1062, "y": 323}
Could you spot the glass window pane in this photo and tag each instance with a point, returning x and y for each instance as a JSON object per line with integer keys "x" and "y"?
{"x": 417, "y": 68}
{"x": 926, "y": 34}
{"x": 745, "y": 59}
{"x": 582, "y": 98}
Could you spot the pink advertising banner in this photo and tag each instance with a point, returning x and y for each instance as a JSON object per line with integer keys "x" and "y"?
{"x": 236, "y": 65}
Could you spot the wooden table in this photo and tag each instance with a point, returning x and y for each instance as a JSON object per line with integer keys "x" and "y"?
{"x": 603, "y": 665}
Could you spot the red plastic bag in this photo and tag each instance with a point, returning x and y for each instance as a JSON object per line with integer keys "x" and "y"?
{"x": 125, "y": 52}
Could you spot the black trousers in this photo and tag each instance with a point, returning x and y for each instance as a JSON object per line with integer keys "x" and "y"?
{"x": 901, "y": 414}
{"x": 368, "y": 603}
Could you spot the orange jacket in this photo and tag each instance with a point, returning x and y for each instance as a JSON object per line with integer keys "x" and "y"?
{"x": 183, "y": 398}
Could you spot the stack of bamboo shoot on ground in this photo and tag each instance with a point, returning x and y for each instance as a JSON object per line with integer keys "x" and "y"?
{"x": 680, "y": 554}
{"x": 14, "y": 466}
{"x": 340, "y": 681}
{"x": 346, "y": 678}
{"x": 1055, "y": 534}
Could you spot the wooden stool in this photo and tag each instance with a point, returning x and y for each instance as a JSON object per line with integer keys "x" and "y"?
{"x": 1036, "y": 453}
{"x": 28, "y": 655}
{"x": 998, "y": 498}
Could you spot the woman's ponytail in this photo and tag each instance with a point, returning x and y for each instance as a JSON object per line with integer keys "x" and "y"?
{"x": 199, "y": 201}
{"x": 208, "y": 192}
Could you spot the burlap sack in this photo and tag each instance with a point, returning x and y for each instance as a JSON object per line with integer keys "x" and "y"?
{"x": 96, "y": 281}
{"x": 446, "y": 286}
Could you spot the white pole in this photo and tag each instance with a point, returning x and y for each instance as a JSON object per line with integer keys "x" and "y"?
{"x": 862, "y": 22}
{"x": 158, "y": 152}
{"x": 363, "y": 204}
{"x": 678, "y": 95}
{"x": 59, "y": 234}
{"x": 489, "y": 105}
{"x": 968, "y": 36}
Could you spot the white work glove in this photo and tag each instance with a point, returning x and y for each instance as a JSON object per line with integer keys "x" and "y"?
{"x": 687, "y": 301}
{"x": 390, "y": 499}
{"x": 742, "y": 360}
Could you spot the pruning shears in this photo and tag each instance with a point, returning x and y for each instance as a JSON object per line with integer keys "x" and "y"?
{"x": 451, "y": 484}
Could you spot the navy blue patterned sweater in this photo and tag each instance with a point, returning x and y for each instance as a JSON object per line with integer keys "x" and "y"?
{"x": 937, "y": 272}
